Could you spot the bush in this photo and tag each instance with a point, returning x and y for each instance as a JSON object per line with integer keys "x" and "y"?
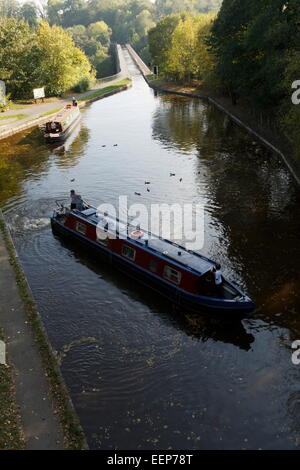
{"x": 83, "y": 85}
{"x": 5, "y": 107}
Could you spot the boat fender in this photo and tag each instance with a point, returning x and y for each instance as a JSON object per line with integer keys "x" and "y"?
{"x": 137, "y": 233}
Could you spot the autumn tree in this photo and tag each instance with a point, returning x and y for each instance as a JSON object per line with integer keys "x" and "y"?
{"x": 62, "y": 65}
{"x": 160, "y": 40}
{"x": 181, "y": 60}
{"x": 178, "y": 46}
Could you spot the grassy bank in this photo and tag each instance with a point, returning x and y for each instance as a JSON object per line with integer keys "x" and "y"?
{"x": 11, "y": 437}
{"x": 108, "y": 89}
{"x": 14, "y": 116}
{"x": 74, "y": 437}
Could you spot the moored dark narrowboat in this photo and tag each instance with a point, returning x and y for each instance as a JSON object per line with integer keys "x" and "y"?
{"x": 162, "y": 265}
{"x": 61, "y": 126}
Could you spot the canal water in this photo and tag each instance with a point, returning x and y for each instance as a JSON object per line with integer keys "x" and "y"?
{"x": 141, "y": 373}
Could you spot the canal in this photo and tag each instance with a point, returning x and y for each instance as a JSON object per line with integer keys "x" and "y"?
{"x": 142, "y": 374}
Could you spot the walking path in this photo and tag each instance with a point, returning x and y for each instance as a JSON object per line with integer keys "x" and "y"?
{"x": 39, "y": 422}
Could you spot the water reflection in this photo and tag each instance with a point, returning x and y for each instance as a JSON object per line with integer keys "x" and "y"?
{"x": 68, "y": 155}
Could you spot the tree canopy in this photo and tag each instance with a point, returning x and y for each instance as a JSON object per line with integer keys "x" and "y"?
{"x": 177, "y": 45}
{"x": 44, "y": 56}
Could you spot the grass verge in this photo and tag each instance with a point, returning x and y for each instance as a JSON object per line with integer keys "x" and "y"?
{"x": 13, "y": 106}
{"x": 73, "y": 434}
{"x": 107, "y": 89}
{"x": 11, "y": 436}
{"x": 15, "y": 116}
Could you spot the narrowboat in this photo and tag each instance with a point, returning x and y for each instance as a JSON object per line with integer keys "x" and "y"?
{"x": 61, "y": 125}
{"x": 179, "y": 274}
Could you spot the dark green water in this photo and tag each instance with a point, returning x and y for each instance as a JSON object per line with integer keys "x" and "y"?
{"x": 140, "y": 373}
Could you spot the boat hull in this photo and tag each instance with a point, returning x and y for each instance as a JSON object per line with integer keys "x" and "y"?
{"x": 181, "y": 298}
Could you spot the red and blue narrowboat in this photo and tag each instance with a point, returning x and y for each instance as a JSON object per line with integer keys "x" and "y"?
{"x": 62, "y": 124}
{"x": 183, "y": 276}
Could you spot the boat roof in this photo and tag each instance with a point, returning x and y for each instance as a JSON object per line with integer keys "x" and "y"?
{"x": 151, "y": 242}
{"x": 63, "y": 113}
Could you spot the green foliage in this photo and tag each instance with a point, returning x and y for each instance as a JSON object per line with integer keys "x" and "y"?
{"x": 83, "y": 85}
{"x": 94, "y": 40}
{"x": 46, "y": 57}
{"x": 120, "y": 20}
{"x": 62, "y": 64}
{"x": 94, "y": 24}
{"x": 7, "y": 105}
{"x": 160, "y": 40}
{"x": 250, "y": 45}
{"x": 15, "y": 116}
{"x": 9, "y": 8}
{"x": 167, "y": 7}
{"x": 177, "y": 45}
{"x": 258, "y": 56}
{"x": 28, "y": 11}
{"x": 17, "y": 53}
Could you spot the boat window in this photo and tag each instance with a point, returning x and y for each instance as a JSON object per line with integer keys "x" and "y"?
{"x": 153, "y": 265}
{"x": 172, "y": 275}
{"x": 81, "y": 228}
{"x": 128, "y": 252}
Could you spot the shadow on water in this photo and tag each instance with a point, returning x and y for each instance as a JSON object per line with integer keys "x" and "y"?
{"x": 202, "y": 326}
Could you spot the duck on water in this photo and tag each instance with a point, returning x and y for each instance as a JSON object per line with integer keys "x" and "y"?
{"x": 187, "y": 278}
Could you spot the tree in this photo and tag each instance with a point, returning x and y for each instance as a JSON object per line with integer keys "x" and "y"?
{"x": 178, "y": 46}
{"x": 9, "y": 8}
{"x": 167, "y": 7}
{"x": 55, "y": 10}
{"x": 181, "y": 61}
{"x": 29, "y": 12}
{"x": 160, "y": 40}
{"x": 100, "y": 31}
{"x": 63, "y": 66}
{"x": 17, "y": 51}
{"x": 206, "y": 63}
